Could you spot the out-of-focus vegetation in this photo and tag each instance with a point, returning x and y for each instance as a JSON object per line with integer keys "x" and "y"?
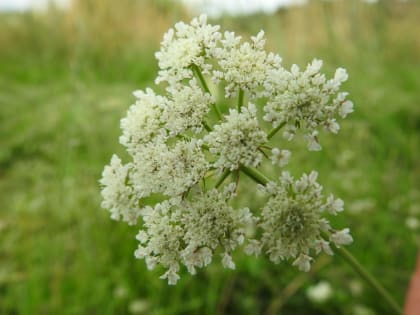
{"x": 65, "y": 82}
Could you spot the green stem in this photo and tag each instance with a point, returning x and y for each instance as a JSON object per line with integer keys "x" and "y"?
{"x": 352, "y": 261}
{"x": 206, "y": 126}
{"x": 200, "y": 76}
{"x": 222, "y": 177}
{"x": 236, "y": 179}
{"x": 263, "y": 153}
{"x": 240, "y": 99}
{"x": 275, "y": 130}
{"x": 254, "y": 174}
{"x": 264, "y": 146}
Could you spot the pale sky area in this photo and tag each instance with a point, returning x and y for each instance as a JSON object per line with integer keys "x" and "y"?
{"x": 23, "y": 5}
{"x": 217, "y": 7}
{"x": 211, "y": 7}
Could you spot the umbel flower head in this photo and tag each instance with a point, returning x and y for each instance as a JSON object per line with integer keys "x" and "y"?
{"x": 186, "y": 155}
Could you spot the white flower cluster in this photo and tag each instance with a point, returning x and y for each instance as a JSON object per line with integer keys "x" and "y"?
{"x": 118, "y": 194}
{"x": 184, "y": 46}
{"x": 180, "y": 155}
{"x": 306, "y": 100}
{"x": 186, "y": 231}
{"x": 236, "y": 141}
{"x": 244, "y": 66}
{"x": 292, "y": 220}
{"x": 169, "y": 170}
{"x": 186, "y": 109}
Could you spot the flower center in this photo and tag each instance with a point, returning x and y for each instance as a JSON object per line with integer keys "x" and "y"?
{"x": 293, "y": 221}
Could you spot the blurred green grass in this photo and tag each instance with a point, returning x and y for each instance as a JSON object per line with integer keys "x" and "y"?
{"x": 66, "y": 81}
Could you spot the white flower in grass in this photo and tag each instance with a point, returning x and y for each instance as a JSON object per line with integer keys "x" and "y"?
{"x": 323, "y": 246}
{"x": 143, "y": 121}
{"x": 334, "y": 205}
{"x": 211, "y": 223}
{"x": 332, "y": 125}
{"x": 174, "y": 145}
{"x": 306, "y": 100}
{"x": 118, "y": 193}
{"x": 188, "y": 232}
{"x": 280, "y": 157}
{"x": 139, "y": 306}
{"x": 186, "y": 108}
{"x": 312, "y": 141}
{"x": 172, "y": 274}
{"x": 360, "y": 309}
{"x": 227, "y": 261}
{"x": 339, "y": 77}
{"x": 345, "y": 108}
{"x": 342, "y": 237}
{"x": 320, "y": 292}
{"x": 184, "y": 46}
{"x": 344, "y": 105}
{"x": 412, "y": 223}
{"x": 170, "y": 170}
{"x": 303, "y": 262}
{"x": 244, "y": 66}
{"x": 292, "y": 220}
{"x": 199, "y": 257}
{"x": 161, "y": 238}
{"x": 237, "y": 140}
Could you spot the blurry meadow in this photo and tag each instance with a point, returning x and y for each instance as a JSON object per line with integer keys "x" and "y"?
{"x": 65, "y": 82}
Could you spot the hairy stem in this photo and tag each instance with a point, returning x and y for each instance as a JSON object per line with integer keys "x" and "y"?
{"x": 200, "y": 77}
{"x": 254, "y": 174}
{"x": 275, "y": 130}
{"x": 263, "y": 152}
{"x": 371, "y": 280}
{"x": 222, "y": 178}
{"x": 206, "y": 126}
{"x": 365, "y": 275}
{"x": 240, "y": 99}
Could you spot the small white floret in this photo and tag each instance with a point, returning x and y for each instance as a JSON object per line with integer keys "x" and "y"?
{"x": 303, "y": 262}
{"x": 342, "y": 237}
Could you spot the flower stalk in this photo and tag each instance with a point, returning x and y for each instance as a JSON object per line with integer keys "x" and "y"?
{"x": 369, "y": 278}
{"x": 240, "y": 99}
{"x": 222, "y": 178}
{"x": 203, "y": 82}
{"x": 207, "y": 126}
{"x": 254, "y": 174}
{"x": 273, "y": 131}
